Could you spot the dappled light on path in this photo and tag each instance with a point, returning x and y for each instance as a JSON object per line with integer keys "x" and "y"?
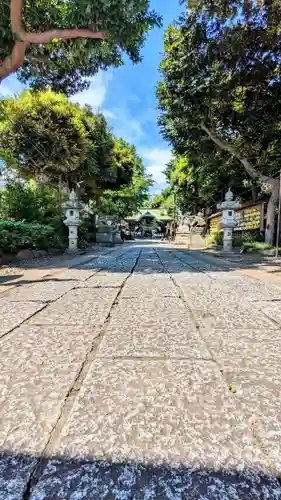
{"x": 143, "y": 372}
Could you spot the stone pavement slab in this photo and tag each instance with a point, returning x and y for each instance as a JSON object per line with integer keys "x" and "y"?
{"x": 135, "y": 309}
{"x": 257, "y": 381}
{"x": 107, "y": 279}
{"x": 120, "y": 264}
{"x": 39, "y": 365}
{"x": 240, "y": 343}
{"x": 248, "y": 265}
{"x": 149, "y": 268}
{"x": 191, "y": 278}
{"x": 209, "y": 297}
{"x": 94, "y": 480}
{"x": 12, "y": 314}
{"x": 200, "y": 296}
{"x": 223, "y": 275}
{"x": 249, "y": 289}
{"x": 176, "y": 412}
{"x": 44, "y": 291}
{"x": 157, "y": 285}
{"x": 34, "y": 383}
{"x": 76, "y": 274}
{"x": 83, "y": 306}
{"x": 142, "y": 262}
{"x": 232, "y": 316}
{"x": 217, "y": 293}
{"x": 147, "y": 271}
{"x": 42, "y": 268}
{"x": 128, "y": 398}
{"x": 15, "y": 471}
{"x": 151, "y": 337}
{"x": 272, "y": 311}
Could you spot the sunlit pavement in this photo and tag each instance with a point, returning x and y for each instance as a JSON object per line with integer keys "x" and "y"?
{"x": 146, "y": 373}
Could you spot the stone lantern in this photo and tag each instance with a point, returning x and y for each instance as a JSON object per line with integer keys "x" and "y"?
{"x": 228, "y": 219}
{"x": 72, "y": 209}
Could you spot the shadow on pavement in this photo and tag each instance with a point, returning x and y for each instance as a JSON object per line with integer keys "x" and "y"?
{"x": 65, "y": 478}
{"x": 12, "y": 277}
{"x": 175, "y": 260}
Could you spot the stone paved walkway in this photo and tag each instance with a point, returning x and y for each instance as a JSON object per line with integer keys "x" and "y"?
{"x": 146, "y": 373}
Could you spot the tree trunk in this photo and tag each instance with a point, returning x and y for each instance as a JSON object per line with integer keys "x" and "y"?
{"x": 257, "y": 176}
{"x": 226, "y": 146}
{"x": 271, "y": 213}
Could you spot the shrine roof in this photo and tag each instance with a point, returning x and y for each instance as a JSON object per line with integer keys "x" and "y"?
{"x": 158, "y": 213}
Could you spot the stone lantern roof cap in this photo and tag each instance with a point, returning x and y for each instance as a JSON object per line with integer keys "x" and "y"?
{"x": 73, "y": 201}
{"x": 229, "y": 195}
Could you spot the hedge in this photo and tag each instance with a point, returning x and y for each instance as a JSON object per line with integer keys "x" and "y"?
{"x": 16, "y": 236}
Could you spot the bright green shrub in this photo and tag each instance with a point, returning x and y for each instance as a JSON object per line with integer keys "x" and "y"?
{"x": 16, "y": 236}
{"x": 28, "y": 201}
{"x": 216, "y": 238}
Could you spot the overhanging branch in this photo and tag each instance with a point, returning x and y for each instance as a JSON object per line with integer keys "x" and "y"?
{"x": 45, "y": 36}
{"x": 225, "y": 146}
{"x": 15, "y": 60}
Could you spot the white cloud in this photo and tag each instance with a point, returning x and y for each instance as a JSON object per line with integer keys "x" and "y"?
{"x": 159, "y": 156}
{"x": 95, "y": 95}
{"x": 11, "y": 87}
{"x": 156, "y": 161}
{"x": 109, "y": 115}
{"x": 124, "y": 124}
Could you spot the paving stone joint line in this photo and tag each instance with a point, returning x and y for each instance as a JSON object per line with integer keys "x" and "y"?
{"x": 219, "y": 367}
{"x": 69, "y": 399}
{"x": 142, "y": 263}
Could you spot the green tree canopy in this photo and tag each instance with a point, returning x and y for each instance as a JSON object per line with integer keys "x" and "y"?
{"x": 164, "y": 201}
{"x": 127, "y": 200}
{"x": 28, "y": 201}
{"x": 62, "y": 43}
{"x": 200, "y": 181}
{"x": 46, "y": 137}
{"x": 155, "y": 202}
{"x": 221, "y": 87}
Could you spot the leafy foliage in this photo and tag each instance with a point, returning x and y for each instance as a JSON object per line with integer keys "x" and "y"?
{"x": 127, "y": 200}
{"x": 45, "y": 137}
{"x": 227, "y": 77}
{"x": 200, "y": 181}
{"x": 66, "y": 65}
{"x": 164, "y": 201}
{"x": 155, "y": 202}
{"x": 220, "y": 92}
{"x": 16, "y": 236}
{"x": 28, "y": 201}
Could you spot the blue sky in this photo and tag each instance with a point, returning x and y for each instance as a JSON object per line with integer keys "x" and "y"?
{"x": 126, "y": 96}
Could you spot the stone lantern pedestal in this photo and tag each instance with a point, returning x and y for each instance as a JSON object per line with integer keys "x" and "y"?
{"x": 183, "y": 232}
{"x": 108, "y": 233}
{"x": 228, "y": 219}
{"x": 72, "y": 209}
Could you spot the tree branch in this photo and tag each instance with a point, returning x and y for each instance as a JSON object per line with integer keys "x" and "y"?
{"x": 225, "y": 146}
{"x": 45, "y": 36}
{"x": 14, "y": 61}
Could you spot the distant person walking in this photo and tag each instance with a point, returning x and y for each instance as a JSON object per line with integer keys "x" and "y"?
{"x": 173, "y": 231}
{"x": 168, "y": 232}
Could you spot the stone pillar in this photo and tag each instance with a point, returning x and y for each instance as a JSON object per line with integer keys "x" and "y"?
{"x": 72, "y": 209}
{"x": 228, "y": 223}
{"x": 227, "y": 239}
